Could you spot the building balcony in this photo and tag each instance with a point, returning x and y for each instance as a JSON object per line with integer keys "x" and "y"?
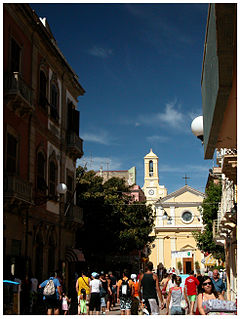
{"x": 75, "y": 215}
{"x": 17, "y": 189}
{"x": 17, "y": 94}
{"x": 74, "y": 145}
{"x": 228, "y": 161}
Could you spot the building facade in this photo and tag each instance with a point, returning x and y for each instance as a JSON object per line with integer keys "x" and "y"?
{"x": 219, "y": 103}
{"x": 41, "y": 146}
{"x": 177, "y": 216}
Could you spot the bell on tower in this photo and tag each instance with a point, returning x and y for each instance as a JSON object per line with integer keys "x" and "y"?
{"x": 151, "y": 168}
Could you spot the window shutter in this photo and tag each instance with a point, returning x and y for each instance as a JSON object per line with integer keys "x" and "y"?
{"x": 70, "y": 116}
{"x": 76, "y": 121}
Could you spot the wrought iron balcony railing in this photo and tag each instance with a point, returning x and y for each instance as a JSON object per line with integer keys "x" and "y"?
{"x": 74, "y": 145}
{"x": 15, "y": 187}
{"x": 18, "y": 91}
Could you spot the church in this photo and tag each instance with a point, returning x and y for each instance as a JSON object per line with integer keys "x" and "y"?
{"x": 177, "y": 216}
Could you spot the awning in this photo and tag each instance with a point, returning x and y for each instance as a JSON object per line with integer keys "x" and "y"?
{"x": 74, "y": 255}
{"x": 210, "y": 260}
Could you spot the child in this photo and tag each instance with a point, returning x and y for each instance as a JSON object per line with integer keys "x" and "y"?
{"x": 82, "y": 302}
{"x": 65, "y": 303}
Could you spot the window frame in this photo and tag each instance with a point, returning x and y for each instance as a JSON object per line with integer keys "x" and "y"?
{"x": 12, "y": 38}
{"x": 189, "y": 221}
{"x": 44, "y": 172}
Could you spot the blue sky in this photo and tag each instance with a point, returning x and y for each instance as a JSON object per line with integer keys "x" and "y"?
{"x": 140, "y": 65}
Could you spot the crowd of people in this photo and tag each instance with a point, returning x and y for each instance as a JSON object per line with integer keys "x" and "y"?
{"x": 134, "y": 294}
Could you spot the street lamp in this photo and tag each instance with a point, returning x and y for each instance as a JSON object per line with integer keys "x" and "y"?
{"x": 61, "y": 188}
{"x": 197, "y": 127}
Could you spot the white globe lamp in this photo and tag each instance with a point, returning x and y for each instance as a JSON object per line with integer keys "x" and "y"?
{"x": 61, "y": 188}
{"x": 197, "y": 127}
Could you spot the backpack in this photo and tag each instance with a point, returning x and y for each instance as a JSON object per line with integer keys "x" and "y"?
{"x": 49, "y": 289}
{"x": 125, "y": 290}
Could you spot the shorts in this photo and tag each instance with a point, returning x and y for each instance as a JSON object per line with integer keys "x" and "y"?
{"x": 192, "y": 297}
{"x": 125, "y": 303}
{"x": 87, "y": 299}
{"x": 103, "y": 301}
{"x": 51, "y": 303}
{"x": 95, "y": 301}
{"x": 176, "y": 310}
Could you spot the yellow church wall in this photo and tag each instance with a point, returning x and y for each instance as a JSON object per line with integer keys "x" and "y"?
{"x": 188, "y": 197}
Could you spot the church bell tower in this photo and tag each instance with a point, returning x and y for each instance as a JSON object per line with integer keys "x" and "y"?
{"x": 153, "y": 191}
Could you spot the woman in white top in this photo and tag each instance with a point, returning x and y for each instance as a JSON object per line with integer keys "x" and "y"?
{"x": 95, "y": 286}
{"x": 172, "y": 282}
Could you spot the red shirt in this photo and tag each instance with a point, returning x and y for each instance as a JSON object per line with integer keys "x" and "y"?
{"x": 191, "y": 282}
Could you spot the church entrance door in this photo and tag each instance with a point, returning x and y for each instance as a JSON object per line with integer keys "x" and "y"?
{"x": 187, "y": 265}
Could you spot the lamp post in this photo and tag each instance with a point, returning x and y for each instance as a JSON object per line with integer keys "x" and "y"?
{"x": 61, "y": 189}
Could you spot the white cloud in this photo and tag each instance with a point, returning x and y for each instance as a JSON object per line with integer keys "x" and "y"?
{"x": 157, "y": 138}
{"x": 193, "y": 169}
{"x": 101, "y": 137}
{"x": 100, "y": 52}
{"x": 95, "y": 163}
{"x": 171, "y": 116}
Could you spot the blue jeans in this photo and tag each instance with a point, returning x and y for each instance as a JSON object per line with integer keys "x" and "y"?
{"x": 176, "y": 310}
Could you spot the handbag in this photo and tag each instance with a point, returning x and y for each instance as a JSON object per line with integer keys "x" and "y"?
{"x": 183, "y": 302}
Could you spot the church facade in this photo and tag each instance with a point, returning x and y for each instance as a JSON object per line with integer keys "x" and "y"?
{"x": 177, "y": 216}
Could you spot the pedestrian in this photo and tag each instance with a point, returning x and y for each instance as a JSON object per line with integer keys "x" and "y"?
{"x": 210, "y": 273}
{"x": 83, "y": 283}
{"x": 124, "y": 293}
{"x": 51, "y": 294}
{"x": 104, "y": 292}
{"x": 34, "y": 293}
{"x": 208, "y": 292}
{"x": 65, "y": 303}
{"x": 95, "y": 286}
{"x": 219, "y": 285}
{"x": 141, "y": 272}
{"x": 175, "y": 295}
{"x": 109, "y": 293}
{"x": 190, "y": 290}
{"x": 82, "y": 306}
{"x": 113, "y": 287}
{"x": 163, "y": 285}
{"x": 25, "y": 295}
{"x": 151, "y": 290}
{"x": 199, "y": 278}
{"x": 171, "y": 282}
{"x": 135, "y": 295}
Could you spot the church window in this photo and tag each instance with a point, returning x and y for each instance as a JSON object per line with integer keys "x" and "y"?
{"x": 187, "y": 217}
{"x": 151, "y": 168}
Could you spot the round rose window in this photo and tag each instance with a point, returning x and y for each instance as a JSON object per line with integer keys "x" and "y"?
{"x": 187, "y": 216}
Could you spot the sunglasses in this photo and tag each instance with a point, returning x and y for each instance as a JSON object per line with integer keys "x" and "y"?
{"x": 207, "y": 283}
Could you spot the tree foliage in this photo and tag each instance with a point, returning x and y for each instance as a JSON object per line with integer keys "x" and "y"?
{"x": 112, "y": 224}
{"x": 209, "y": 211}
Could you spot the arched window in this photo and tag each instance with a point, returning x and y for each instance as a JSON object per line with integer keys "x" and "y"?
{"x": 151, "y": 168}
{"x": 41, "y": 183}
{"x": 52, "y": 178}
{"x": 42, "y": 90}
{"x": 54, "y": 102}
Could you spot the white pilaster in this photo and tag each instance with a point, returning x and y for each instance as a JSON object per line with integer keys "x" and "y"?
{"x": 173, "y": 248}
{"x": 172, "y": 214}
